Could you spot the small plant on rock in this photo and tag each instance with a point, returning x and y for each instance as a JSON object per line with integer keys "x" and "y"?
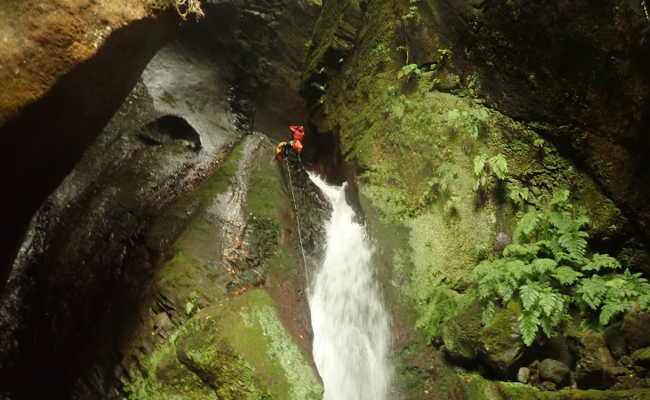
{"x": 439, "y": 185}
{"x": 184, "y": 8}
{"x": 485, "y": 168}
{"x": 518, "y": 194}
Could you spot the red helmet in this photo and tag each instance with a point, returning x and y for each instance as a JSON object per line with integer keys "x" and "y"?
{"x": 298, "y": 131}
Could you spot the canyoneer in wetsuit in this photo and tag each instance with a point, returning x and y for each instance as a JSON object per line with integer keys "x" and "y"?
{"x": 291, "y": 150}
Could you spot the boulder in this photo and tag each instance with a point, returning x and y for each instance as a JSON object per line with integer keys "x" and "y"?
{"x": 523, "y": 374}
{"x": 555, "y": 371}
{"x": 616, "y": 341}
{"x": 460, "y": 336}
{"x": 634, "y": 329}
{"x": 595, "y": 364}
{"x": 642, "y": 357}
{"x": 502, "y": 351}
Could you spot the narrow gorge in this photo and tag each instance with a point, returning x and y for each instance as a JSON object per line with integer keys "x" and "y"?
{"x": 468, "y": 218}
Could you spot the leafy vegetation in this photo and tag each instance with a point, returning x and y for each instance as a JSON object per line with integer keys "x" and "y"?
{"x": 439, "y": 184}
{"x": 412, "y": 12}
{"x": 518, "y": 194}
{"x": 443, "y": 304}
{"x": 484, "y": 168}
{"x": 192, "y": 304}
{"x": 550, "y": 272}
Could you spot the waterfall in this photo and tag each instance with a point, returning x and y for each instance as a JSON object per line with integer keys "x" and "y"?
{"x": 350, "y": 324}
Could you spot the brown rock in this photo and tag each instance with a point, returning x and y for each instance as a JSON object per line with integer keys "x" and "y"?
{"x": 555, "y": 371}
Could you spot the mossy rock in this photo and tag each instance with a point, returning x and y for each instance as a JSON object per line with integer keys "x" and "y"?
{"x": 503, "y": 351}
{"x": 595, "y": 367}
{"x": 236, "y": 350}
{"x": 634, "y": 329}
{"x": 461, "y": 335}
{"x": 475, "y": 387}
{"x": 201, "y": 350}
{"x": 642, "y": 357}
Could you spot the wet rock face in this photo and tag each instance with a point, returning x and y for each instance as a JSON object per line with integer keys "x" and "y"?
{"x": 170, "y": 127}
{"x": 72, "y": 300}
{"x": 44, "y": 141}
{"x": 69, "y": 303}
{"x": 263, "y": 44}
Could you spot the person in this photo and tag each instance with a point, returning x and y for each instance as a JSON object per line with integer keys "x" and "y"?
{"x": 291, "y": 149}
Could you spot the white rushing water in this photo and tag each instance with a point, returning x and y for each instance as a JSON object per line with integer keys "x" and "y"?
{"x": 350, "y": 324}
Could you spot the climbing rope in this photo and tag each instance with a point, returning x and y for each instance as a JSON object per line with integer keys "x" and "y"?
{"x": 295, "y": 211}
{"x": 645, "y": 10}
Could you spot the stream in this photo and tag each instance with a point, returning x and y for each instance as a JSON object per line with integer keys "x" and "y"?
{"x": 350, "y": 324}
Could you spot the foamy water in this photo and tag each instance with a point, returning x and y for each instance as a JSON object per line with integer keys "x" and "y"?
{"x": 350, "y": 324}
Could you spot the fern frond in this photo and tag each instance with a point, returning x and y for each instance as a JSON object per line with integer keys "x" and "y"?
{"x": 580, "y": 222}
{"x": 566, "y": 275}
{"x": 611, "y": 310}
{"x": 485, "y": 290}
{"x": 505, "y": 290}
{"x": 499, "y": 166}
{"x": 546, "y": 326}
{"x": 560, "y": 220}
{"x": 516, "y": 269}
{"x": 560, "y": 198}
{"x": 479, "y": 165}
{"x": 644, "y": 301}
{"x": 489, "y": 311}
{"x": 600, "y": 261}
{"x": 529, "y": 326}
{"x": 485, "y": 267}
{"x": 527, "y": 251}
{"x": 574, "y": 243}
{"x": 549, "y": 302}
{"x": 544, "y": 265}
{"x": 529, "y": 294}
{"x": 592, "y": 291}
{"x": 527, "y": 225}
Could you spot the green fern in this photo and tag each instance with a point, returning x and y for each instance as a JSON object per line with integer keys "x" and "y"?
{"x": 592, "y": 291}
{"x": 544, "y": 265}
{"x": 518, "y": 194}
{"x": 566, "y": 275}
{"x": 485, "y": 168}
{"x": 549, "y": 270}
{"x": 529, "y": 324}
{"x": 499, "y": 166}
{"x": 601, "y": 261}
{"x": 527, "y": 225}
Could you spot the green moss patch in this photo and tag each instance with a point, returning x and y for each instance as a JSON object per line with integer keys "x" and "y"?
{"x": 252, "y": 326}
{"x": 237, "y": 349}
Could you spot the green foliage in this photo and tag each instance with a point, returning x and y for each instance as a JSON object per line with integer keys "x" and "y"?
{"x": 409, "y": 71}
{"x": 442, "y": 304}
{"x": 439, "y": 185}
{"x": 518, "y": 194}
{"x": 412, "y": 10}
{"x": 485, "y": 168}
{"x": 549, "y": 270}
{"x": 191, "y": 305}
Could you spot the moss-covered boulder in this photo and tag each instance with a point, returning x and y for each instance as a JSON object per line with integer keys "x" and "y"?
{"x": 595, "y": 368}
{"x": 634, "y": 329}
{"x": 503, "y": 350}
{"x": 554, "y": 371}
{"x": 496, "y": 348}
{"x": 461, "y": 336}
{"x": 642, "y": 357}
{"x": 236, "y": 350}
